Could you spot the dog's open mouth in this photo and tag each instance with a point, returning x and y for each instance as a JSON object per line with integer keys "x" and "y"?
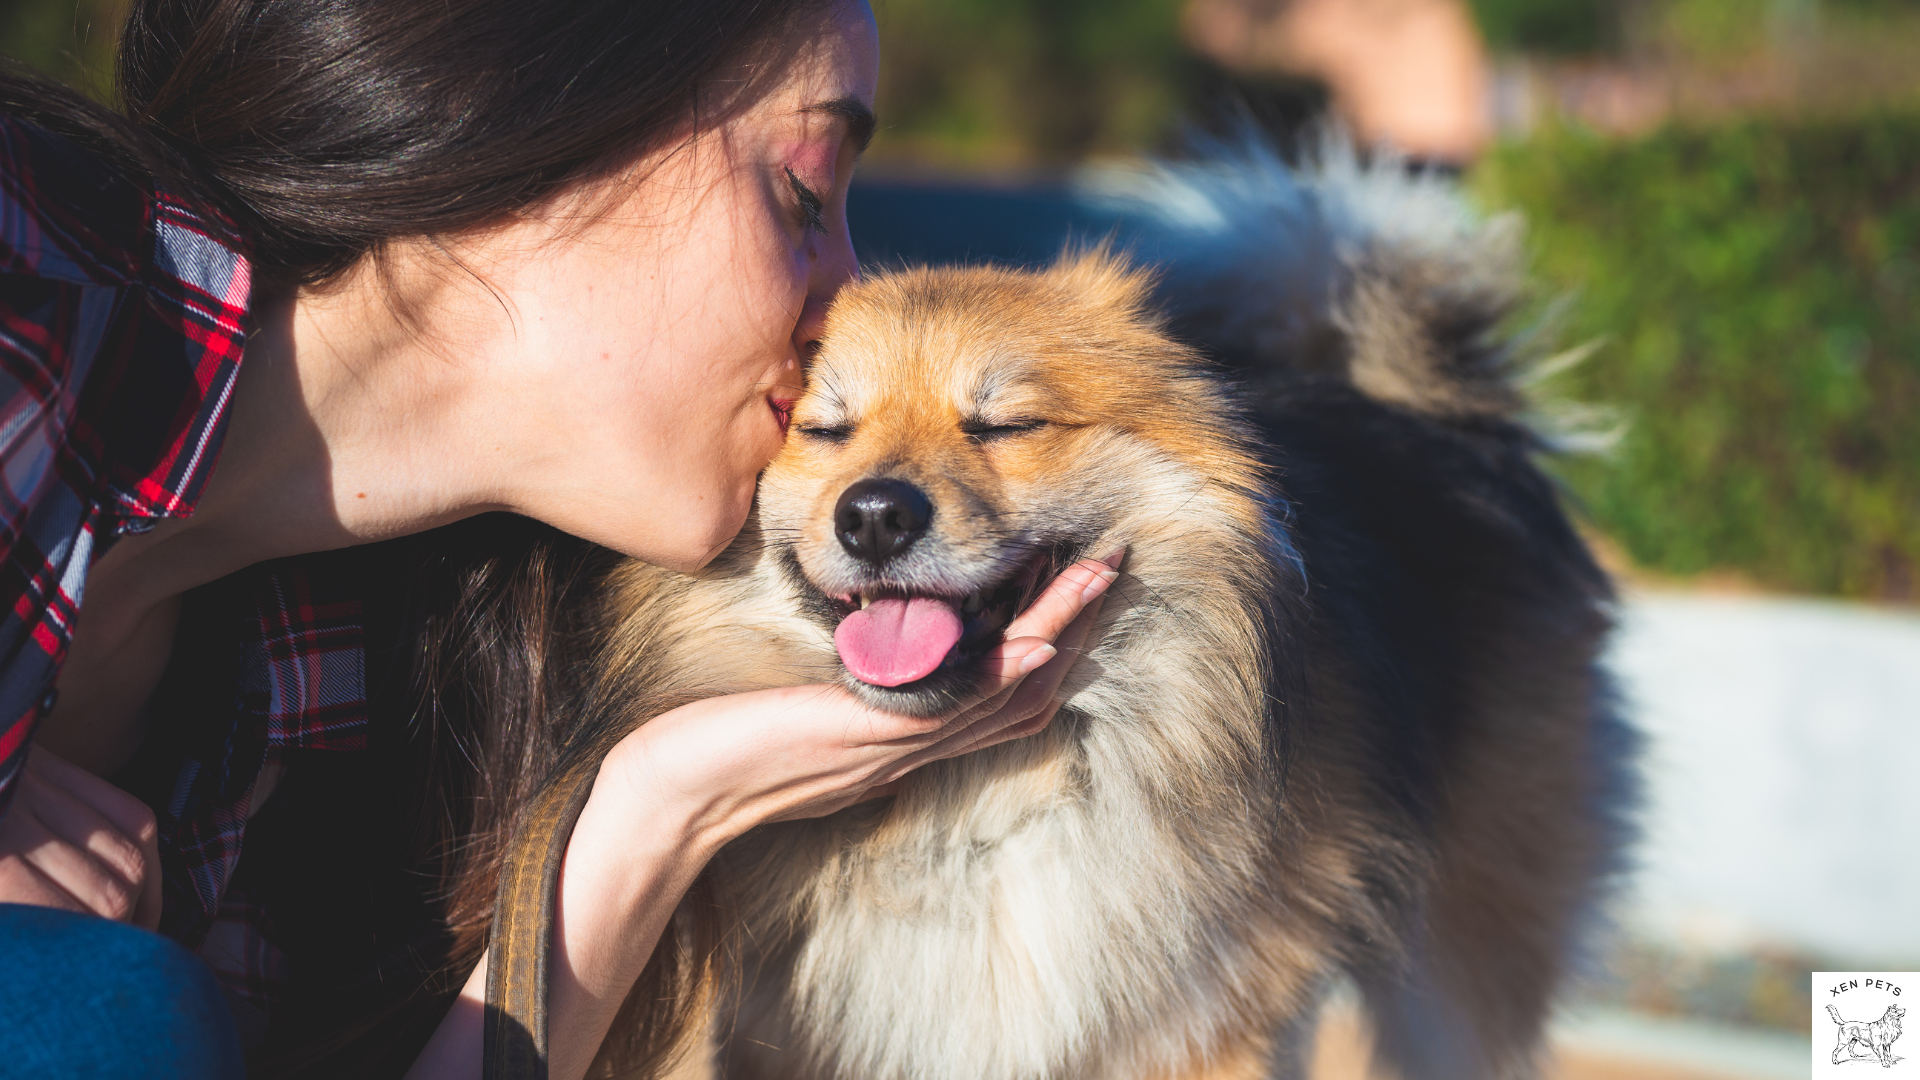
{"x": 890, "y": 637}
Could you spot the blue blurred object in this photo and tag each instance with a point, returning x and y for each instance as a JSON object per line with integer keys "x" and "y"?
{"x": 83, "y": 997}
{"x": 895, "y": 222}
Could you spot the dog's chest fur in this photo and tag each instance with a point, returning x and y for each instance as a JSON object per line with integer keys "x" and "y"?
{"x": 1051, "y": 907}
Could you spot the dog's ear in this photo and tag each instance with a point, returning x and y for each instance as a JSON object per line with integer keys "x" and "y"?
{"x": 1102, "y": 278}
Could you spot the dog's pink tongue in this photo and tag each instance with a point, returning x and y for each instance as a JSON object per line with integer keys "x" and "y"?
{"x": 891, "y": 642}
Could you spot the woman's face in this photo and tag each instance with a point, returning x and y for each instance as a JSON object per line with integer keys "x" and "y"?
{"x": 657, "y": 326}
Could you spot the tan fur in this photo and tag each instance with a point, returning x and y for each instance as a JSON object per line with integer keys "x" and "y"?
{"x": 1134, "y": 893}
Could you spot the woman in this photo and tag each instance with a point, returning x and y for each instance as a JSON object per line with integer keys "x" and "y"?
{"x": 403, "y": 264}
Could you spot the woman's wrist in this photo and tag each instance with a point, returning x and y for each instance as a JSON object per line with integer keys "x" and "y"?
{"x": 702, "y": 771}
{"x": 635, "y": 851}
{"x": 656, "y": 803}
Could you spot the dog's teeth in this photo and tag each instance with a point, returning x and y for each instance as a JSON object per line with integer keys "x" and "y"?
{"x": 864, "y": 601}
{"x": 973, "y": 603}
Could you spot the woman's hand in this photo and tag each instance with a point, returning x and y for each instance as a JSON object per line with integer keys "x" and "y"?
{"x": 689, "y": 780}
{"x": 683, "y": 784}
{"x": 71, "y": 840}
{"x": 805, "y": 751}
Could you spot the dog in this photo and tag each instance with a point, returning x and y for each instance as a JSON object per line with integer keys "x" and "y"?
{"x": 1859, "y": 1040}
{"x": 1341, "y": 718}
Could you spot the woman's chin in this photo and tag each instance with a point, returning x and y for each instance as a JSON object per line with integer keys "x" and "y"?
{"x": 702, "y": 545}
{"x": 684, "y": 535}
{"x": 680, "y": 518}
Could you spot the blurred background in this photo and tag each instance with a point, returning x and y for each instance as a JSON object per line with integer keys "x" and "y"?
{"x": 1723, "y": 203}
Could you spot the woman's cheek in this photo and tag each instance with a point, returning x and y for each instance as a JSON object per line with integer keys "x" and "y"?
{"x": 761, "y": 442}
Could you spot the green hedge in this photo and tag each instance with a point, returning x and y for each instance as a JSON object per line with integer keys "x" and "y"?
{"x": 71, "y": 40}
{"x": 1756, "y": 289}
{"x": 1014, "y": 82}
{"x": 1547, "y": 26}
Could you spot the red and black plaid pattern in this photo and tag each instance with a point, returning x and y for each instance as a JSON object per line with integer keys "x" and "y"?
{"x": 309, "y": 649}
{"x": 302, "y": 688}
{"x": 122, "y": 315}
{"x": 122, "y": 321}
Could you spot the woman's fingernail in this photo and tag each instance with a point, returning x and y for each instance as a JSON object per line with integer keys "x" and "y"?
{"x": 1113, "y": 558}
{"x": 1098, "y": 585}
{"x": 1031, "y": 662}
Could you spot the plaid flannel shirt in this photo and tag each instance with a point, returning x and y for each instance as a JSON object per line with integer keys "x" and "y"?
{"x": 123, "y": 317}
{"x": 301, "y": 689}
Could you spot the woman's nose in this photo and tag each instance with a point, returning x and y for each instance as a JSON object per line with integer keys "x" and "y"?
{"x": 834, "y": 266}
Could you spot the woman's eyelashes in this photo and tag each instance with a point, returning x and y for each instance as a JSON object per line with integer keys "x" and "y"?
{"x": 812, "y": 210}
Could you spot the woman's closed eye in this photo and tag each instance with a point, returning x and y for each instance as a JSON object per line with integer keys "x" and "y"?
{"x": 812, "y": 210}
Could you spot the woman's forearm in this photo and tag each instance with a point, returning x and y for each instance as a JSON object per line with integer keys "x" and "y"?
{"x": 631, "y": 858}
{"x": 638, "y": 852}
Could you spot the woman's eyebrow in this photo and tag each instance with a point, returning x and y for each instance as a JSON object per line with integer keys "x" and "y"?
{"x": 859, "y": 118}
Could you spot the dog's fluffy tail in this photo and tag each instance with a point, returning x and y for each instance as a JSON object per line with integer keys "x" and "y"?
{"x": 1835, "y": 1013}
{"x": 1336, "y": 269}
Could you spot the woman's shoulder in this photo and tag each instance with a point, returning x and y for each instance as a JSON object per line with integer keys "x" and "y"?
{"x": 69, "y": 214}
{"x": 132, "y": 304}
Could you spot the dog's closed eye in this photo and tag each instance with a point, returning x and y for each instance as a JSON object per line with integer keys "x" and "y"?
{"x": 981, "y": 431}
{"x": 833, "y": 433}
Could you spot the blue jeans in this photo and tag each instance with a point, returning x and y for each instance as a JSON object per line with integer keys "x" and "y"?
{"x": 84, "y": 997}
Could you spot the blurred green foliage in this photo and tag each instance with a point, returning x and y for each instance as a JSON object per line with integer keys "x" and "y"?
{"x": 1001, "y": 82}
{"x": 1713, "y": 30}
{"x": 1556, "y": 27}
{"x": 1757, "y": 291}
{"x": 71, "y": 40}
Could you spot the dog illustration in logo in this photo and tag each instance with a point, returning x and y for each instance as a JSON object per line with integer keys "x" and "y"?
{"x": 1860, "y": 1040}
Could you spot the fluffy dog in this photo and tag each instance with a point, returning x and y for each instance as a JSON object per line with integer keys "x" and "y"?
{"x": 1341, "y": 718}
{"x": 1859, "y": 1039}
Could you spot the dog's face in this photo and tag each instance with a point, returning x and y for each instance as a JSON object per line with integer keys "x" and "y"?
{"x": 965, "y": 435}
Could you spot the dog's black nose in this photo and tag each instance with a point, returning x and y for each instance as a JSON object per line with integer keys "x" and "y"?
{"x": 880, "y": 517}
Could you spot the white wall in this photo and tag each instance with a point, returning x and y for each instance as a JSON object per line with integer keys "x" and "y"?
{"x": 1783, "y": 773}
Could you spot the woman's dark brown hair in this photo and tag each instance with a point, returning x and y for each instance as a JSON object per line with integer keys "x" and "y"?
{"x": 326, "y": 129}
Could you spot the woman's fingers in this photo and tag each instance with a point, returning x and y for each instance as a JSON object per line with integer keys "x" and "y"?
{"x": 1034, "y": 702}
{"x": 808, "y": 750}
{"x": 1026, "y": 707}
{"x": 1020, "y": 677}
{"x": 128, "y": 814}
{"x": 1060, "y": 606}
{"x": 95, "y": 842}
{"x": 1002, "y": 671}
{"x": 1029, "y": 646}
{"x": 22, "y": 879}
{"x": 1065, "y": 597}
{"x": 70, "y": 868}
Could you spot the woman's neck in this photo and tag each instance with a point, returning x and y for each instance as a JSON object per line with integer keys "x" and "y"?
{"x": 340, "y": 432}
{"x": 346, "y": 427}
